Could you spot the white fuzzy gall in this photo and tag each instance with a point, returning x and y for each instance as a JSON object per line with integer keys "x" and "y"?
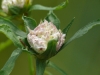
{"x": 19, "y": 3}
{"x": 42, "y": 34}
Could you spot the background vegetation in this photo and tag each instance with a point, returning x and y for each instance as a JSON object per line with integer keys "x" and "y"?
{"x": 80, "y": 57}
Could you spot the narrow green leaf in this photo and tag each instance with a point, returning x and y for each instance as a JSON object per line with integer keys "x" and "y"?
{"x": 51, "y": 17}
{"x": 8, "y": 67}
{"x": 10, "y": 34}
{"x": 81, "y": 32}
{"x": 29, "y": 22}
{"x": 12, "y": 26}
{"x": 66, "y": 29}
{"x": 57, "y": 68}
{"x": 41, "y": 7}
{"x": 62, "y": 5}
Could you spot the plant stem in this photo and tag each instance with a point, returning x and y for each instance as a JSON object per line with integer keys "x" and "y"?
{"x": 31, "y": 64}
{"x": 40, "y": 66}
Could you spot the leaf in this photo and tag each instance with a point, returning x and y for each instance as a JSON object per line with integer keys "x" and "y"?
{"x": 81, "y": 32}
{"x": 66, "y": 29}
{"x": 8, "y": 67}
{"x": 62, "y": 5}
{"x": 12, "y": 26}
{"x": 41, "y": 7}
{"x": 29, "y": 22}
{"x": 57, "y": 68}
{"x": 10, "y": 34}
{"x": 51, "y": 17}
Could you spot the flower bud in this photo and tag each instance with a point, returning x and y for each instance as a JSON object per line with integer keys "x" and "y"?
{"x": 43, "y": 34}
{"x": 6, "y": 4}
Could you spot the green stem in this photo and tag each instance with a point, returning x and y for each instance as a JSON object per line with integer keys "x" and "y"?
{"x": 31, "y": 64}
{"x": 40, "y": 66}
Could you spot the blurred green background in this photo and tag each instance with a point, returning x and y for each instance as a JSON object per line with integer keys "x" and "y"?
{"x": 80, "y": 57}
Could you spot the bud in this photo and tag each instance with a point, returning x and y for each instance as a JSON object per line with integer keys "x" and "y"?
{"x": 6, "y": 4}
{"x": 43, "y": 34}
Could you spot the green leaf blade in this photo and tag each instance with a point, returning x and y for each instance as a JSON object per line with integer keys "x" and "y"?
{"x": 29, "y": 22}
{"x": 62, "y": 5}
{"x": 66, "y": 29}
{"x": 14, "y": 28}
{"x": 11, "y": 35}
{"x": 41, "y": 7}
{"x": 8, "y": 67}
{"x": 81, "y": 32}
{"x": 51, "y": 17}
{"x": 12, "y": 32}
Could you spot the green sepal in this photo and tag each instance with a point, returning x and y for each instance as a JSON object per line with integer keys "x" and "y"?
{"x": 29, "y": 22}
{"x": 14, "y": 10}
{"x": 8, "y": 67}
{"x": 66, "y": 29}
{"x": 50, "y": 51}
{"x": 51, "y": 17}
{"x": 41, "y": 7}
